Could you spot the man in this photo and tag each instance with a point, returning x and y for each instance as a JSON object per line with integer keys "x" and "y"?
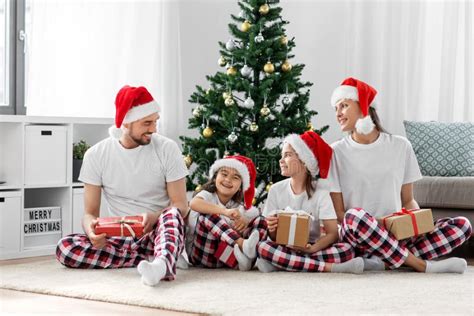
{"x": 140, "y": 172}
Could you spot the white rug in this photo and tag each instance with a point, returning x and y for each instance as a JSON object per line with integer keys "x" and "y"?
{"x": 225, "y": 292}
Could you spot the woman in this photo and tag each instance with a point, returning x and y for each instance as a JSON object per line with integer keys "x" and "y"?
{"x": 373, "y": 176}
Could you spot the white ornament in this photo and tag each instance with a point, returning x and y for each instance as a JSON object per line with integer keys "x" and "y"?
{"x": 230, "y": 45}
{"x": 197, "y": 111}
{"x": 259, "y": 38}
{"x": 232, "y": 138}
{"x": 249, "y": 103}
{"x": 287, "y": 100}
{"x": 242, "y": 14}
{"x": 246, "y": 71}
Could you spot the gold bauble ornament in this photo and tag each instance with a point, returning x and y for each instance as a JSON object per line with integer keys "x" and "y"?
{"x": 198, "y": 188}
{"x": 264, "y": 8}
{"x": 265, "y": 110}
{"x": 269, "y": 185}
{"x": 229, "y": 101}
{"x": 254, "y": 201}
{"x": 207, "y": 132}
{"x": 269, "y": 68}
{"x": 286, "y": 66}
{"x": 188, "y": 160}
{"x": 226, "y": 95}
{"x": 253, "y": 127}
{"x": 309, "y": 126}
{"x": 245, "y": 27}
{"x": 284, "y": 40}
{"x": 222, "y": 62}
{"x": 231, "y": 71}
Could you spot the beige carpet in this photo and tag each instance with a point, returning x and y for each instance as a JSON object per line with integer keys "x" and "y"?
{"x": 225, "y": 292}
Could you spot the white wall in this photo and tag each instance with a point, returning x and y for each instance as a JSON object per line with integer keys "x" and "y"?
{"x": 318, "y": 33}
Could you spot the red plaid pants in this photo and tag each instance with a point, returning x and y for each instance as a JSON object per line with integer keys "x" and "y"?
{"x": 363, "y": 232}
{"x": 165, "y": 241}
{"x": 288, "y": 259}
{"x": 214, "y": 240}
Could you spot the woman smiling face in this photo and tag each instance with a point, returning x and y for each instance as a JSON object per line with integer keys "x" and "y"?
{"x": 347, "y": 114}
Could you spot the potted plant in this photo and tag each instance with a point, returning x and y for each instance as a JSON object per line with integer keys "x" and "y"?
{"x": 78, "y": 151}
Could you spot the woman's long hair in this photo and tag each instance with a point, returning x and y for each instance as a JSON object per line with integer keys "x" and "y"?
{"x": 375, "y": 118}
{"x": 308, "y": 184}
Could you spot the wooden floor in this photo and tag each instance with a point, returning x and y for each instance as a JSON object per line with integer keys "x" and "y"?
{"x": 20, "y": 303}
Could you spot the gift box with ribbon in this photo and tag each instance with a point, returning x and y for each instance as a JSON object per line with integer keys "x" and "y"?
{"x": 293, "y": 228}
{"x": 120, "y": 226}
{"x": 408, "y": 223}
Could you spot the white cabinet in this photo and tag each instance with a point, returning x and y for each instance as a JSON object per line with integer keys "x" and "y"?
{"x": 78, "y": 209}
{"x": 46, "y": 154}
{"x": 10, "y": 212}
{"x": 39, "y": 203}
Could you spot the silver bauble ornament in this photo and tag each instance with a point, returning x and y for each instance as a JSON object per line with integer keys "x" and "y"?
{"x": 246, "y": 71}
{"x": 287, "y": 100}
{"x": 232, "y": 138}
{"x": 259, "y": 38}
{"x": 248, "y": 103}
{"x": 230, "y": 45}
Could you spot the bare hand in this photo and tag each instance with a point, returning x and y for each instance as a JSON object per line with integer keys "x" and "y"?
{"x": 232, "y": 213}
{"x": 98, "y": 241}
{"x": 241, "y": 224}
{"x": 310, "y": 248}
{"x": 272, "y": 222}
{"x": 149, "y": 221}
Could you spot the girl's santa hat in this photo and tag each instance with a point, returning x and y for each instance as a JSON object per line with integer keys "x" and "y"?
{"x": 132, "y": 104}
{"x": 360, "y": 91}
{"x": 247, "y": 171}
{"x": 313, "y": 151}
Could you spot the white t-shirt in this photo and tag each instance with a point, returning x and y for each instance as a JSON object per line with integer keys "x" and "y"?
{"x": 320, "y": 205}
{"x": 134, "y": 180}
{"x": 370, "y": 176}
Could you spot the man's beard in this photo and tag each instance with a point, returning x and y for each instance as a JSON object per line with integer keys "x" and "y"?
{"x": 140, "y": 141}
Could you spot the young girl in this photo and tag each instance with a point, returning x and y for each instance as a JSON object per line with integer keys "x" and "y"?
{"x": 225, "y": 232}
{"x": 303, "y": 158}
{"x": 373, "y": 177}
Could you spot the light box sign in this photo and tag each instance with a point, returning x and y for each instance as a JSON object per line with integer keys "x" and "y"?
{"x": 41, "y": 226}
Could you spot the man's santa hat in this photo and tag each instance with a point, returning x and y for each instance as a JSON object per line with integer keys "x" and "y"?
{"x": 132, "y": 104}
{"x": 313, "y": 151}
{"x": 357, "y": 90}
{"x": 247, "y": 171}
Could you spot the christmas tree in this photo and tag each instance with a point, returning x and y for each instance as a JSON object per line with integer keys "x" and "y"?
{"x": 254, "y": 103}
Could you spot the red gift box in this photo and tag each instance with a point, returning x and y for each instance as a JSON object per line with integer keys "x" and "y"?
{"x": 120, "y": 226}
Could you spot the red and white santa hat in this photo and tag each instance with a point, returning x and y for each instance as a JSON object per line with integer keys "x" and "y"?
{"x": 247, "y": 171}
{"x": 313, "y": 151}
{"x": 132, "y": 104}
{"x": 354, "y": 89}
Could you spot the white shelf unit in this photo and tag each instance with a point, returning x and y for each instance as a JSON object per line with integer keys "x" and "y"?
{"x": 39, "y": 203}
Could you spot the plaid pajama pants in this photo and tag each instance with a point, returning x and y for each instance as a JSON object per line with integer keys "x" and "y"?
{"x": 288, "y": 259}
{"x": 363, "y": 232}
{"x": 165, "y": 241}
{"x": 214, "y": 240}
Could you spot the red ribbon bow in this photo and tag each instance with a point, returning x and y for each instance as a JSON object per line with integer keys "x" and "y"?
{"x": 404, "y": 211}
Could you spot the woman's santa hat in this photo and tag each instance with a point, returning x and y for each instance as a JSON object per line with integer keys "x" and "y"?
{"x": 247, "y": 171}
{"x": 132, "y": 104}
{"x": 357, "y": 90}
{"x": 313, "y": 151}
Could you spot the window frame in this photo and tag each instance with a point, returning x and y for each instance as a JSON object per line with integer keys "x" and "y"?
{"x": 16, "y": 75}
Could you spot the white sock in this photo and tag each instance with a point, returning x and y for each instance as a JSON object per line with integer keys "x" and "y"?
{"x": 450, "y": 265}
{"x": 373, "y": 264}
{"x": 245, "y": 263}
{"x": 249, "y": 245}
{"x": 265, "y": 266}
{"x": 152, "y": 272}
{"x": 355, "y": 266}
{"x": 181, "y": 263}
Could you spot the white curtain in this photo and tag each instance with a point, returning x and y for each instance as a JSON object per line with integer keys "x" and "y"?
{"x": 81, "y": 52}
{"x": 418, "y": 54}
